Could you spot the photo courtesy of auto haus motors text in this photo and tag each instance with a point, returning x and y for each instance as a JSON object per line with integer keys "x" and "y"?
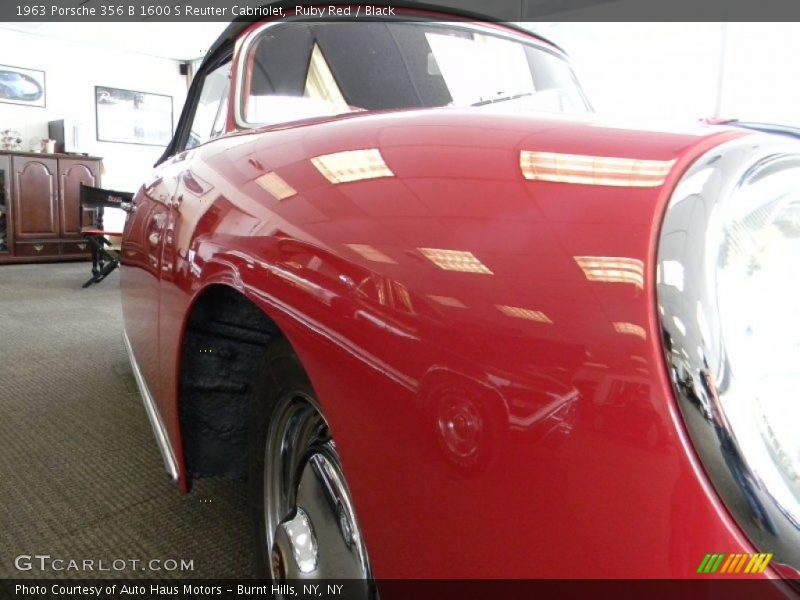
{"x": 389, "y": 300}
{"x": 183, "y": 590}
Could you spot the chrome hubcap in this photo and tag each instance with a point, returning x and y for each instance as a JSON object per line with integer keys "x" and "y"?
{"x": 311, "y": 528}
{"x": 295, "y": 539}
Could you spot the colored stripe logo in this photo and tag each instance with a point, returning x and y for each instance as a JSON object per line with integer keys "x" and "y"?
{"x": 734, "y": 563}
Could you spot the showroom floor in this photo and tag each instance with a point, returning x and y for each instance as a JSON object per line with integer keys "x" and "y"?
{"x": 80, "y": 474}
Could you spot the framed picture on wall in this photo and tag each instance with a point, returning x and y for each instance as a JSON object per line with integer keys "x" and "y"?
{"x": 131, "y": 117}
{"x": 22, "y": 86}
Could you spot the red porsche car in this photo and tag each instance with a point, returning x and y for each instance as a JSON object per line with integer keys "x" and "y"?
{"x": 449, "y": 324}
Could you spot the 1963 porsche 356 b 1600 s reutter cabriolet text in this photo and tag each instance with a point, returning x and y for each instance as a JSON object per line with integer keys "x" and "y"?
{"x": 447, "y": 323}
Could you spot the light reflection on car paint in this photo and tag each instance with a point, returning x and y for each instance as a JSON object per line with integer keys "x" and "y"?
{"x": 325, "y": 262}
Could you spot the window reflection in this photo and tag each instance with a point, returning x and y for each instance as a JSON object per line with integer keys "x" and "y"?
{"x": 352, "y": 165}
{"x": 455, "y": 260}
{"x": 593, "y": 170}
{"x": 612, "y": 269}
{"x": 276, "y": 186}
{"x": 524, "y": 313}
{"x": 630, "y": 329}
{"x": 370, "y": 253}
{"x": 447, "y": 301}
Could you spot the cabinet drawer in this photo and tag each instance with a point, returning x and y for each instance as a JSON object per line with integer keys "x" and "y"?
{"x": 78, "y": 248}
{"x": 36, "y": 248}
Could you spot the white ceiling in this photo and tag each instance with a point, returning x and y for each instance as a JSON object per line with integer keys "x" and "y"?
{"x": 178, "y": 41}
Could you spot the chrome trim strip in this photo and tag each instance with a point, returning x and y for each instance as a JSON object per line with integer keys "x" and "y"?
{"x": 515, "y": 36}
{"x": 160, "y": 433}
{"x": 694, "y": 344}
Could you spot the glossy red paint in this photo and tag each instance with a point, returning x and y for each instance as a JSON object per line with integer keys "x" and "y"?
{"x": 566, "y": 457}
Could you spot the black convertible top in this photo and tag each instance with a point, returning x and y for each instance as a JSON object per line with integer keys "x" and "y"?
{"x": 224, "y": 45}
{"x": 241, "y": 23}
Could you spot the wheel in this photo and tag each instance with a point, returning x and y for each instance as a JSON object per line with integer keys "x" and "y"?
{"x": 303, "y": 514}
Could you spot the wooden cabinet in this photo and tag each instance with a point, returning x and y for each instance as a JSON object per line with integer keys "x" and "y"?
{"x": 5, "y": 205}
{"x": 42, "y": 202}
{"x": 35, "y": 198}
{"x": 72, "y": 173}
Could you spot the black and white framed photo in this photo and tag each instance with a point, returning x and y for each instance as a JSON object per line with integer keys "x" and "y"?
{"x": 22, "y": 86}
{"x": 131, "y": 117}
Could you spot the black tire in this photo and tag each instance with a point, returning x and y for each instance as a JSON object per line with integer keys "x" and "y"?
{"x": 302, "y": 512}
{"x": 280, "y": 373}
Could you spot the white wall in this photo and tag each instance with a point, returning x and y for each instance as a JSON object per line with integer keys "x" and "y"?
{"x": 686, "y": 71}
{"x": 678, "y": 71}
{"x": 72, "y": 70}
{"x": 761, "y": 80}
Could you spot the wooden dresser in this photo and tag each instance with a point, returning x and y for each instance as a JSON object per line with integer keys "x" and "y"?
{"x": 40, "y": 216}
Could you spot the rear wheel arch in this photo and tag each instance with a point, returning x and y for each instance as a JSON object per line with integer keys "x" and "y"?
{"x": 238, "y": 371}
{"x": 225, "y": 336}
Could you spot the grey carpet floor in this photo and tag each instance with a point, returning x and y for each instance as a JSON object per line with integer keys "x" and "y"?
{"x": 80, "y": 474}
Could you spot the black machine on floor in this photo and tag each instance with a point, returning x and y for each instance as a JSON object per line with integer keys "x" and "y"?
{"x": 105, "y": 244}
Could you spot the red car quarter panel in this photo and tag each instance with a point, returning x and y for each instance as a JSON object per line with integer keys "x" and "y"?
{"x": 471, "y": 293}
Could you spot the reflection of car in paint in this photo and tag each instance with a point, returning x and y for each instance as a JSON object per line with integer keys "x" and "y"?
{"x": 18, "y": 86}
{"x": 461, "y": 295}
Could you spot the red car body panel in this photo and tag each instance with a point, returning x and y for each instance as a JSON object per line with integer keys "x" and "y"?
{"x": 582, "y": 466}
